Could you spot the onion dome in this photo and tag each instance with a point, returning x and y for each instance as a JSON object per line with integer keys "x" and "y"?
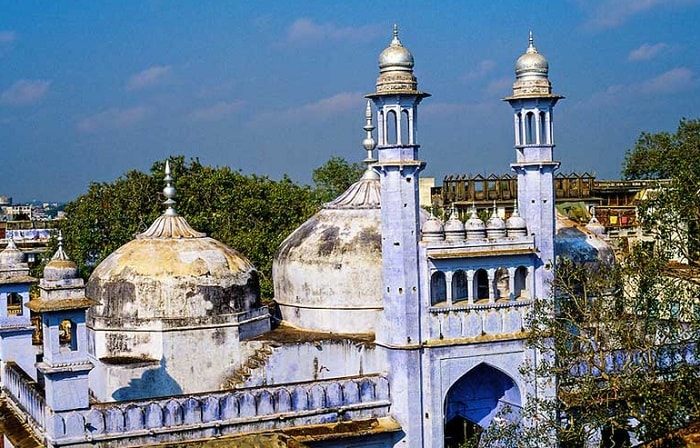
{"x": 395, "y": 57}
{"x": 172, "y": 272}
{"x": 515, "y": 224}
{"x": 578, "y": 244}
{"x": 396, "y": 69}
{"x": 531, "y": 75}
{"x": 475, "y": 227}
{"x": 454, "y": 228}
{"x": 60, "y": 267}
{"x": 495, "y": 226}
{"x": 531, "y": 63}
{"x": 595, "y": 226}
{"x": 433, "y": 229}
{"x": 11, "y": 257}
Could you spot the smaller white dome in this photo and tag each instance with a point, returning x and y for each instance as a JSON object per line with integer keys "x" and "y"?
{"x": 475, "y": 227}
{"x": 433, "y": 230}
{"x": 60, "y": 267}
{"x": 516, "y": 225}
{"x": 595, "y": 226}
{"x": 495, "y": 226}
{"x": 454, "y": 228}
{"x": 11, "y": 257}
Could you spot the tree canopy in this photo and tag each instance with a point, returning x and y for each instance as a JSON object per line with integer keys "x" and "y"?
{"x": 336, "y": 175}
{"x": 672, "y": 211}
{"x": 619, "y": 343}
{"x": 249, "y": 213}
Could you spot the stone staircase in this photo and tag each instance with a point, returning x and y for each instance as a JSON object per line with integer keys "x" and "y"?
{"x": 243, "y": 373}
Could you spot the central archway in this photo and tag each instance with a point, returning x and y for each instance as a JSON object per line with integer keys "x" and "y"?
{"x": 475, "y": 399}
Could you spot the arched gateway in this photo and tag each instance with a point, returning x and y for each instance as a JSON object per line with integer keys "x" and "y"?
{"x": 475, "y": 400}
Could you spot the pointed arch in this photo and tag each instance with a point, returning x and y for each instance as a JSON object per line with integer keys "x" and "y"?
{"x": 481, "y": 284}
{"x": 520, "y": 282}
{"x": 459, "y": 286}
{"x": 438, "y": 287}
{"x": 392, "y": 131}
{"x": 472, "y": 402}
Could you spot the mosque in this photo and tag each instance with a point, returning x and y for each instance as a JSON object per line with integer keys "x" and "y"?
{"x": 393, "y": 328}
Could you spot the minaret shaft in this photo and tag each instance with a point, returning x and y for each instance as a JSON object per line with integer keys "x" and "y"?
{"x": 533, "y": 118}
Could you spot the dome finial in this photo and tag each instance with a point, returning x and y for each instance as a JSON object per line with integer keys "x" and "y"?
{"x": 369, "y": 143}
{"x": 396, "y": 34}
{"x": 531, "y": 44}
{"x": 169, "y": 191}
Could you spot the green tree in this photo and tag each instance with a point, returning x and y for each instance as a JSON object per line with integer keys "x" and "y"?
{"x": 622, "y": 341}
{"x": 334, "y": 177}
{"x": 250, "y": 213}
{"x": 672, "y": 211}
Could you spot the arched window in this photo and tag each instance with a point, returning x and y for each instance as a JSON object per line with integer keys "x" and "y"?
{"x": 544, "y": 135}
{"x": 68, "y": 335}
{"x": 520, "y": 282}
{"x": 14, "y": 304}
{"x": 405, "y": 129}
{"x": 502, "y": 282}
{"x": 519, "y": 130}
{"x": 391, "y": 128}
{"x": 438, "y": 288}
{"x": 459, "y": 286}
{"x": 529, "y": 128}
{"x": 481, "y": 284}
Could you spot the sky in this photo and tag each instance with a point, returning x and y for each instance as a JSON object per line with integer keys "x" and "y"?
{"x": 92, "y": 89}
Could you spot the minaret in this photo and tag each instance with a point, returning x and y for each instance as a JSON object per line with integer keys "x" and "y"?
{"x": 533, "y": 106}
{"x": 397, "y": 99}
{"x": 15, "y": 324}
{"x": 62, "y": 304}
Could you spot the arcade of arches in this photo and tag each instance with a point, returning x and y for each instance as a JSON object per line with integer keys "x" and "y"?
{"x": 474, "y": 285}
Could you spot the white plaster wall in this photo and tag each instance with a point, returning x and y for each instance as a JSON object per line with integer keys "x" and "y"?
{"x": 292, "y": 363}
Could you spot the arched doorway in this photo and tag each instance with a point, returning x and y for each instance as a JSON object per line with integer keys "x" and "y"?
{"x": 474, "y": 400}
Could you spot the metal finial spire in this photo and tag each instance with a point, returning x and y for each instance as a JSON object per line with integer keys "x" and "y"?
{"x": 515, "y": 208}
{"x": 169, "y": 191}
{"x": 395, "y": 40}
{"x": 369, "y": 143}
{"x": 531, "y": 44}
{"x": 60, "y": 253}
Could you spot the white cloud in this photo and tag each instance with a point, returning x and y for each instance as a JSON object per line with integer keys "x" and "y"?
{"x": 671, "y": 82}
{"x": 304, "y": 31}
{"x": 613, "y": 13}
{"x": 216, "y": 111}
{"x": 337, "y": 103}
{"x": 482, "y": 69}
{"x": 112, "y": 119}
{"x": 322, "y": 109}
{"x": 7, "y": 37}
{"x": 646, "y": 52}
{"x": 24, "y": 92}
{"x": 149, "y": 77}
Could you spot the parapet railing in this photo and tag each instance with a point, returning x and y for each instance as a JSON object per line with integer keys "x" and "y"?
{"x": 25, "y": 393}
{"x": 222, "y": 413}
{"x": 463, "y": 320}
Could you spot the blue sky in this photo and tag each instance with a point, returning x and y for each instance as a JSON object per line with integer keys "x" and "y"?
{"x": 91, "y": 89}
